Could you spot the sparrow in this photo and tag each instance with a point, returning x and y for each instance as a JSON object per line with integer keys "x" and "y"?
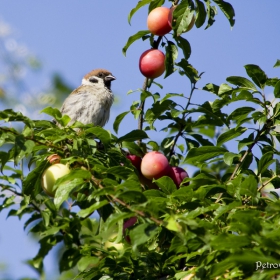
{"x": 92, "y": 100}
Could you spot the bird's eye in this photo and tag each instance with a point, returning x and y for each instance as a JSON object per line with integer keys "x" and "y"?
{"x": 93, "y": 80}
{"x": 100, "y": 75}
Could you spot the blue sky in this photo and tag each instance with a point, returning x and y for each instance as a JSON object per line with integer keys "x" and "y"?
{"x": 74, "y": 37}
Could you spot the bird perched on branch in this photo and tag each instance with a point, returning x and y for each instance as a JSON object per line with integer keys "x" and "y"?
{"x": 92, "y": 100}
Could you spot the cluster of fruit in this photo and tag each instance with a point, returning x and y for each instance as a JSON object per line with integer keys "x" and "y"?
{"x": 159, "y": 21}
{"x": 154, "y": 165}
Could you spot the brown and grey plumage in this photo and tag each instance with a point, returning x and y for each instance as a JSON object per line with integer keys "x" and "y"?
{"x": 92, "y": 100}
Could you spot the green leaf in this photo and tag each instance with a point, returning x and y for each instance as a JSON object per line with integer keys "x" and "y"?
{"x": 170, "y": 57}
{"x": 69, "y": 259}
{"x": 277, "y": 90}
{"x": 246, "y": 141}
{"x": 118, "y": 120}
{"x": 8, "y": 201}
{"x": 155, "y": 3}
{"x": 121, "y": 172}
{"x": 182, "y": 16}
{"x": 132, "y": 196}
{"x": 133, "y": 148}
{"x": 265, "y": 161}
{"x": 143, "y": 233}
{"x": 32, "y": 183}
{"x": 277, "y": 63}
{"x": 102, "y": 134}
{"x": 209, "y": 191}
{"x": 168, "y": 95}
{"x": 229, "y": 157}
{"x": 4, "y": 157}
{"x": 210, "y": 118}
{"x": 240, "y": 113}
{"x": 203, "y": 141}
{"x": 145, "y": 94}
{"x": 22, "y": 148}
{"x": 241, "y": 82}
{"x": 67, "y": 183}
{"x": 211, "y": 88}
{"x": 188, "y": 70}
{"x": 46, "y": 244}
{"x": 249, "y": 186}
{"x": 227, "y": 9}
{"x": 86, "y": 262}
{"x": 134, "y": 38}
{"x": 166, "y": 184}
{"x": 230, "y": 241}
{"x": 277, "y": 167}
{"x": 211, "y": 12}
{"x": 88, "y": 211}
{"x": 201, "y": 14}
{"x": 224, "y": 89}
{"x": 226, "y": 208}
{"x": 134, "y": 135}
{"x": 201, "y": 154}
{"x": 230, "y": 134}
{"x": 183, "y": 194}
{"x": 57, "y": 115}
{"x": 138, "y": 6}
{"x": 257, "y": 75}
{"x": 184, "y": 45}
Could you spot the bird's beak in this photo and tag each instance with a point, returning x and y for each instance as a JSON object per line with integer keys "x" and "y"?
{"x": 110, "y": 78}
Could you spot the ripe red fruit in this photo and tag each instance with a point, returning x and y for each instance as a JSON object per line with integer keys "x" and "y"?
{"x": 135, "y": 160}
{"x": 127, "y": 224}
{"x": 177, "y": 174}
{"x": 155, "y": 165}
{"x": 151, "y": 63}
{"x": 157, "y": 21}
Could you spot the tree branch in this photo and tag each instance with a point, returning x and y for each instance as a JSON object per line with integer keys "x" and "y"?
{"x": 141, "y": 107}
{"x": 115, "y": 199}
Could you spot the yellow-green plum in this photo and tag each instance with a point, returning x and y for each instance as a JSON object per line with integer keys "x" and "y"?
{"x": 50, "y": 176}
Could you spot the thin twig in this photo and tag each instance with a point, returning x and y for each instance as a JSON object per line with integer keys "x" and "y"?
{"x": 264, "y": 128}
{"x": 239, "y": 165}
{"x": 182, "y": 127}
